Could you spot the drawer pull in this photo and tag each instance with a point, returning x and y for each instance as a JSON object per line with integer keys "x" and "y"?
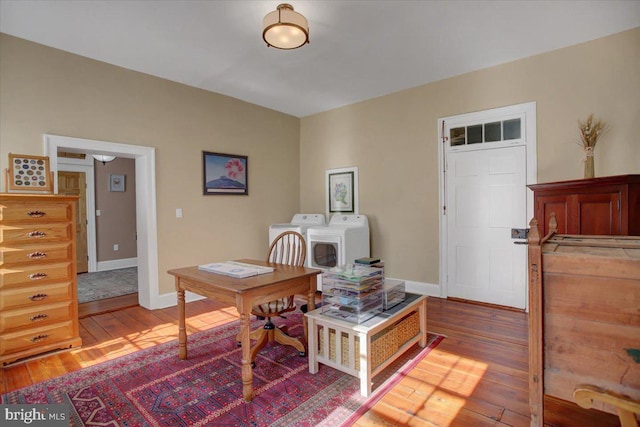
{"x": 39, "y": 338}
{"x": 36, "y": 234}
{"x": 38, "y": 297}
{"x": 37, "y": 276}
{"x": 36, "y": 214}
{"x": 37, "y": 255}
{"x": 38, "y": 317}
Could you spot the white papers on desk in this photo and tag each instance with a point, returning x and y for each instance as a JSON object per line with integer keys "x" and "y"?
{"x": 235, "y": 269}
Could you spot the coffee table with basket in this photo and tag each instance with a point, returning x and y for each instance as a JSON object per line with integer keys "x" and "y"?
{"x": 364, "y": 350}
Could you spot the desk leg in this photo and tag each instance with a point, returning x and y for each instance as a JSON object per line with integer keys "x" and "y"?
{"x": 182, "y": 330}
{"x": 247, "y": 371}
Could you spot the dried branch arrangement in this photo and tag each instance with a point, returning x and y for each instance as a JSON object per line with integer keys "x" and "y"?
{"x": 590, "y": 131}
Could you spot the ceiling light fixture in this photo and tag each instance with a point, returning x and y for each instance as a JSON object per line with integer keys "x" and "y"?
{"x": 285, "y": 29}
{"x": 103, "y": 158}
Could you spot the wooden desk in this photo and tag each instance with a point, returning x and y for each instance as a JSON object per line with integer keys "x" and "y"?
{"x": 244, "y": 294}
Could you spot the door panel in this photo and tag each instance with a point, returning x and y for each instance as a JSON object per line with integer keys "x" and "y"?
{"x": 486, "y": 198}
{"x": 553, "y": 204}
{"x": 598, "y": 214}
{"x": 74, "y": 184}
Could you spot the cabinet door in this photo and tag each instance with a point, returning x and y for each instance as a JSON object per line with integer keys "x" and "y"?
{"x": 598, "y": 213}
{"x": 557, "y": 204}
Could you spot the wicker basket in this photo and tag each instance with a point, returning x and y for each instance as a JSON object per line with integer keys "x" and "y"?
{"x": 383, "y": 345}
{"x": 407, "y": 328}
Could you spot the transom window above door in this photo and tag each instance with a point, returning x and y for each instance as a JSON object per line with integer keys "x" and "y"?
{"x": 480, "y": 133}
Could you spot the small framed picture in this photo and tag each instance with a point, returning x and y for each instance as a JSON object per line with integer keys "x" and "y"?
{"x": 342, "y": 190}
{"x": 116, "y": 182}
{"x": 224, "y": 174}
{"x": 29, "y": 173}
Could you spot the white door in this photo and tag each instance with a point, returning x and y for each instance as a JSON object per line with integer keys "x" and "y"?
{"x": 487, "y": 158}
{"x": 485, "y": 198}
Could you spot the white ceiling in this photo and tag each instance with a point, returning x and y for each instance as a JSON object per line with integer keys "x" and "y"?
{"x": 358, "y": 50}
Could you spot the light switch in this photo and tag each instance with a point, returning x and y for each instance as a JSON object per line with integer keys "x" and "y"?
{"x": 116, "y": 247}
{"x": 98, "y": 213}
{"x": 179, "y": 213}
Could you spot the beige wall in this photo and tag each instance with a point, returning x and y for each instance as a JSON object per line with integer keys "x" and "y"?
{"x": 45, "y": 90}
{"x": 393, "y": 139}
{"x": 116, "y": 224}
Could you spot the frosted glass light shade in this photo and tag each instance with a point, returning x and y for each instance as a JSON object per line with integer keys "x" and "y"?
{"x": 285, "y": 29}
{"x": 103, "y": 158}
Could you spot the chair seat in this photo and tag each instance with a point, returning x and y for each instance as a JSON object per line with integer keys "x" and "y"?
{"x": 288, "y": 248}
{"x": 274, "y": 308}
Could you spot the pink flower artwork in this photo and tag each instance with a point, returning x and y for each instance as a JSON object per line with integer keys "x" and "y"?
{"x": 234, "y": 168}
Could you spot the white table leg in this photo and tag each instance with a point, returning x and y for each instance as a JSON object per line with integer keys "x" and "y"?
{"x": 422, "y": 312}
{"x": 365, "y": 366}
{"x": 312, "y": 344}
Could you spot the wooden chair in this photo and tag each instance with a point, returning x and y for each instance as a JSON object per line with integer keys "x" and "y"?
{"x": 288, "y": 248}
{"x": 586, "y": 395}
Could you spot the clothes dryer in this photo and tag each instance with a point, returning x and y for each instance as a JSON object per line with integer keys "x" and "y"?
{"x": 342, "y": 241}
{"x": 299, "y": 223}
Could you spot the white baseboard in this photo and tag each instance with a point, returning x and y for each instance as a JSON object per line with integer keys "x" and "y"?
{"x": 117, "y": 264}
{"x": 171, "y": 299}
{"x": 422, "y": 288}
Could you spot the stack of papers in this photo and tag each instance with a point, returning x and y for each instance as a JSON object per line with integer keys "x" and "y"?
{"x": 235, "y": 269}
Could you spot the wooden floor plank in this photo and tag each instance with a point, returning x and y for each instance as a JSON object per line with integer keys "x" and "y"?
{"x": 107, "y": 305}
{"x": 478, "y": 375}
{"x": 15, "y": 377}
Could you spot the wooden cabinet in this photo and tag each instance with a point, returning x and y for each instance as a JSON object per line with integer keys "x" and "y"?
{"x": 584, "y": 322}
{"x": 598, "y": 206}
{"x": 38, "y": 288}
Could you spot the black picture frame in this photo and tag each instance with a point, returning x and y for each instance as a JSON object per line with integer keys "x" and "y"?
{"x": 342, "y": 191}
{"x": 341, "y": 197}
{"x": 224, "y": 174}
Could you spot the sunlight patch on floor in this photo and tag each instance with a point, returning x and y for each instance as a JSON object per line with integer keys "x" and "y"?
{"x": 159, "y": 334}
{"x": 435, "y": 391}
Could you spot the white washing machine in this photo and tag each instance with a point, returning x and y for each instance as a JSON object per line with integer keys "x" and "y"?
{"x": 299, "y": 223}
{"x": 342, "y": 241}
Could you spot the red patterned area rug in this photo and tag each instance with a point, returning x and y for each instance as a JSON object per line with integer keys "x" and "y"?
{"x": 153, "y": 387}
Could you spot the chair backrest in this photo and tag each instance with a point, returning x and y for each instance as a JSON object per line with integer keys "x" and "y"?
{"x": 288, "y": 248}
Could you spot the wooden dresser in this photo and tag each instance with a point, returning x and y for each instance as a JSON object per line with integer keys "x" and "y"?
{"x": 38, "y": 287}
{"x": 598, "y": 206}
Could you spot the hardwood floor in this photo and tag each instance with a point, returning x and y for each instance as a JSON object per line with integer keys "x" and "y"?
{"x": 477, "y": 376}
{"x": 107, "y": 305}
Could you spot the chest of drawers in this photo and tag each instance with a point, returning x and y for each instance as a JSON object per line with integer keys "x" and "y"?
{"x": 38, "y": 288}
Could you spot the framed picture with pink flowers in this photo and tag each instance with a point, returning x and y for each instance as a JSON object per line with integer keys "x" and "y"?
{"x": 224, "y": 174}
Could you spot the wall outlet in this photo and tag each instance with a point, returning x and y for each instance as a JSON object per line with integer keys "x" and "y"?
{"x": 179, "y": 213}
{"x": 98, "y": 213}
{"x": 115, "y": 247}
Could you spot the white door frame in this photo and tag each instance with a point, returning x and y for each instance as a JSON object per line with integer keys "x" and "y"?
{"x": 528, "y": 111}
{"x": 146, "y": 219}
